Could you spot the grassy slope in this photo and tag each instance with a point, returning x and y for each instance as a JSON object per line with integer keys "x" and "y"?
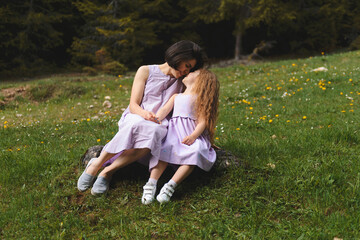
{"x": 299, "y": 175}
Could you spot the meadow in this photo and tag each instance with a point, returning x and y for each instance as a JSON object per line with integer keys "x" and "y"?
{"x": 295, "y": 132}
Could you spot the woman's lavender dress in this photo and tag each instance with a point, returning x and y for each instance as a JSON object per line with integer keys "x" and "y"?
{"x": 182, "y": 124}
{"x": 135, "y": 131}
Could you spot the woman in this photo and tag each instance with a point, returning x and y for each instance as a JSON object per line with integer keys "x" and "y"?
{"x": 139, "y": 134}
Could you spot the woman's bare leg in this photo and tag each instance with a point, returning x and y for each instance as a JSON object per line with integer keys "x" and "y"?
{"x": 96, "y": 165}
{"x": 182, "y": 173}
{"x": 158, "y": 170}
{"x": 127, "y": 157}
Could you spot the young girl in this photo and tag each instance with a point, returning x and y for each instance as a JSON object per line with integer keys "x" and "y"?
{"x": 190, "y": 133}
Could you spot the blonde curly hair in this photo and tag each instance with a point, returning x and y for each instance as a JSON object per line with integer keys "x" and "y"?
{"x": 206, "y": 88}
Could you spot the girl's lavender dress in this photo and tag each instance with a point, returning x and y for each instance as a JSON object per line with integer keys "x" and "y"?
{"x": 182, "y": 124}
{"x": 135, "y": 131}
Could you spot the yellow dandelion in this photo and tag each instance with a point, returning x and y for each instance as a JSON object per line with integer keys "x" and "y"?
{"x": 119, "y": 76}
{"x": 41, "y": 142}
{"x": 293, "y": 64}
{"x": 18, "y": 149}
{"x": 88, "y": 119}
{"x": 350, "y": 80}
{"x": 120, "y": 85}
{"x": 217, "y": 138}
{"x": 6, "y": 122}
{"x": 5, "y": 126}
{"x": 98, "y": 140}
{"x": 277, "y": 115}
{"x": 329, "y": 126}
{"x": 270, "y": 121}
{"x": 341, "y": 93}
{"x": 237, "y": 129}
{"x": 232, "y": 106}
{"x": 343, "y": 111}
{"x": 351, "y": 110}
{"x": 304, "y": 117}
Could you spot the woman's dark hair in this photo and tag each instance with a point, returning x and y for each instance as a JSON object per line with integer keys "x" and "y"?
{"x": 185, "y": 50}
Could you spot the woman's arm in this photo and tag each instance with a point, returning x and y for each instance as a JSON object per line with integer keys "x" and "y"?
{"x": 199, "y": 129}
{"x": 137, "y": 93}
{"x": 166, "y": 109}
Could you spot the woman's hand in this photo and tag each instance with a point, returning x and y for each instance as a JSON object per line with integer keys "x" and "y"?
{"x": 188, "y": 140}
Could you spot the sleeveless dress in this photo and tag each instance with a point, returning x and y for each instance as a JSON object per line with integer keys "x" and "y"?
{"x": 134, "y": 130}
{"x": 182, "y": 124}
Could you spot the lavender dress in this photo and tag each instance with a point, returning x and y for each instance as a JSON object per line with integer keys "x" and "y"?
{"x": 182, "y": 124}
{"x": 134, "y": 130}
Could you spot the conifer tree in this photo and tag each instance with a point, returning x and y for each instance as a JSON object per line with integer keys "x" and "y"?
{"x": 118, "y": 27}
{"x": 30, "y": 32}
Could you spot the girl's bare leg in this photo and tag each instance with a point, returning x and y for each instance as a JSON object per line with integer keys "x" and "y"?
{"x": 158, "y": 170}
{"x": 168, "y": 189}
{"x": 127, "y": 157}
{"x": 182, "y": 173}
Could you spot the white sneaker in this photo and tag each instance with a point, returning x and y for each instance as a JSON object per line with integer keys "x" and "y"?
{"x": 148, "y": 194}
{"x": 165, "y": 193}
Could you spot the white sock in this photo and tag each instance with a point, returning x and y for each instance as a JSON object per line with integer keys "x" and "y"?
{"x": 171, "y": 182}
{"x": 152, "y": 181}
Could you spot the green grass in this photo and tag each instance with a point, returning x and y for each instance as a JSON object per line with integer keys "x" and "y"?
{"x": 299, "y": 177}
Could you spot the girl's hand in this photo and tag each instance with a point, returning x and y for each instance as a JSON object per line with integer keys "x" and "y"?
{"x": 188, "y": 140}
{"x": 150, "y": 116}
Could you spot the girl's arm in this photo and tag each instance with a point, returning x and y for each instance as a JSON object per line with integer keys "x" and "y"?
{"x": 166, "y": 109}
{"x": 137, "y": 93}
{"x": 199, "y": 129}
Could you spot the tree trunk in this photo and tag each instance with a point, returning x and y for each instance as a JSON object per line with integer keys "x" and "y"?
{"x": 238, "y": 44}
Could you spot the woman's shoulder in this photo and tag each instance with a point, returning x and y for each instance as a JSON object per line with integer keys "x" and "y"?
{"x": 150, "y": 70}
{"x": 143, "y": 69}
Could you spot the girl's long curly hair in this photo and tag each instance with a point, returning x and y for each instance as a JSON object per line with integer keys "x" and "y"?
{"x": 206, "y": 88}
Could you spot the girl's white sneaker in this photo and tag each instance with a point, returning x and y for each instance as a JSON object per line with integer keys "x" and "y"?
{"x": 165, "y": 193}
{"x": 148, "y": 194}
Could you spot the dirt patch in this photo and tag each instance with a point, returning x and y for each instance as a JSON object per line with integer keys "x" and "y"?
{"x": 10, "y": 94}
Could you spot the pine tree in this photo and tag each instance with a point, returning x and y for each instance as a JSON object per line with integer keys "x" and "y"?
{"x": 30, "y": 32}
{"x": 119, "y": 28}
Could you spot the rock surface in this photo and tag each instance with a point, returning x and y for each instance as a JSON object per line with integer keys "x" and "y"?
{"x": 224, "y": 159}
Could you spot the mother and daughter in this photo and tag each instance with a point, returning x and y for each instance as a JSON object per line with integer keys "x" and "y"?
{"x": 148, "y": 134}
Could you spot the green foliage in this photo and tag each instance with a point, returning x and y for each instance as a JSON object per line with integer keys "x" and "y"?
{"x": 42, "y": 92}
{"x": 114, "y": 68}
{"x": 115, "y": 27}
{"x": 30, "y": 33}
{"x": 42, "y": 35}
{"x": 355, "y": 45}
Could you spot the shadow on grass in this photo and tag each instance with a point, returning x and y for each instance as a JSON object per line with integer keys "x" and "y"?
{"x": 134, "y": 174}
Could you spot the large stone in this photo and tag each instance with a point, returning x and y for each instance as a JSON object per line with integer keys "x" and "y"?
{"x": 224, "y": 159}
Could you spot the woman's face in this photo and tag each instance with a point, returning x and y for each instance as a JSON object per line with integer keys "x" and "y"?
{"x": 191, "y": 78}
{"x": 184, "y": 68}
